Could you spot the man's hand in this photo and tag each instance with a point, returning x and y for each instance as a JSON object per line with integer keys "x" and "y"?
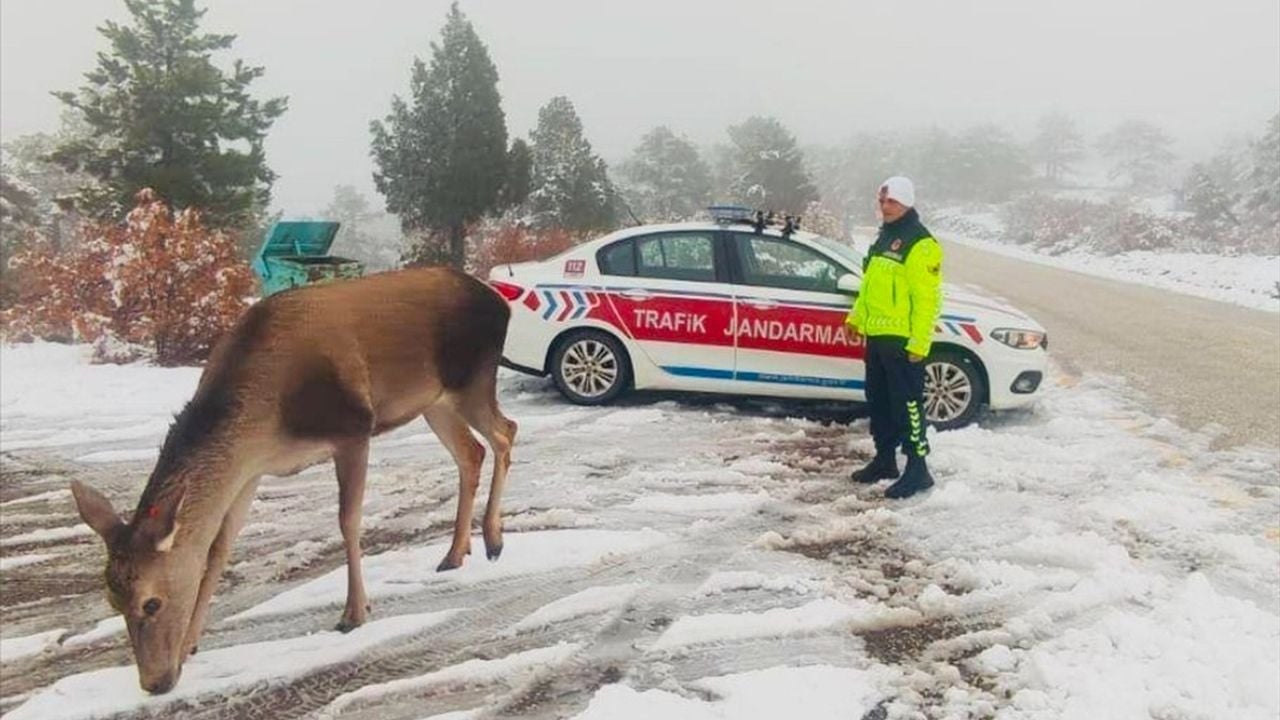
{"x": 912, "y": 357}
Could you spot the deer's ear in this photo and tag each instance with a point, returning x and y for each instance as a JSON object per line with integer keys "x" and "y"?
{"x": 158, "y": 524}
{"x": 96, "y": 511}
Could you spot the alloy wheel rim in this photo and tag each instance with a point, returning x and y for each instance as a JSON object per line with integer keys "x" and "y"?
{"x": 947, "y": 392}
{"x": 589, "y": 368}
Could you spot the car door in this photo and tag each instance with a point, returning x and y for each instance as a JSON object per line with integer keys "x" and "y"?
{"x": 675, "y": 302}
{"x": 789, "y": 329}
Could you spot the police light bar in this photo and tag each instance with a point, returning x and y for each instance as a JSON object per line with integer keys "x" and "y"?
{"x": 758, "y": 219}
{"x": 726, "y": 214}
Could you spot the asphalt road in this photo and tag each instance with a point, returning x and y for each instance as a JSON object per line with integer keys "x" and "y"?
{"x": 1199, "y": 361}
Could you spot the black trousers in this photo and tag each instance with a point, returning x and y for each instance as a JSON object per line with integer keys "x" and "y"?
{"x": 895, "y": 397}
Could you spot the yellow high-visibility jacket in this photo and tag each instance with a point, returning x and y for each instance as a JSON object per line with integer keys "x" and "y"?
{"x": 901, "y": 292}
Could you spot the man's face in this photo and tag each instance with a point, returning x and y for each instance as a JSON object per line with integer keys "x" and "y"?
{"x": 890, "y": 209}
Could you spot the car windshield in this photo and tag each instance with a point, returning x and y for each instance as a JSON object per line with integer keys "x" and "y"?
{"x": 844, "y": 252}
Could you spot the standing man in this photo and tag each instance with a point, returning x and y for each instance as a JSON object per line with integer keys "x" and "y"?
{"x": 896, "y": 310}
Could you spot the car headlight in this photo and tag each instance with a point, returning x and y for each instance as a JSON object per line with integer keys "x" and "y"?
{"x": 1020, "y": 339}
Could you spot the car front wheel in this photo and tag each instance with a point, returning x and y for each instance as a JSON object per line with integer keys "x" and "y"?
{"x": 590, "y": 368}
{"x": 953, "y": 390}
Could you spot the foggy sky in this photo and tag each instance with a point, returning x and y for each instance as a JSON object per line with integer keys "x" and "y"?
{"x": 1204, "y": 70}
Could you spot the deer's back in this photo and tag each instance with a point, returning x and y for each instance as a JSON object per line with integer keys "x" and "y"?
{"x": 407, "y": 333}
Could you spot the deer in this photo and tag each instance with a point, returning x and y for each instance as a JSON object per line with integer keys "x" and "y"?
{"x": 305, "y": 376}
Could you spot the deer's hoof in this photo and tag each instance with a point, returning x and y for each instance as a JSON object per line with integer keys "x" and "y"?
{"x": 346, "y": 625}
{"x": 448, "y": 564}
{"x": 493, "y": 552}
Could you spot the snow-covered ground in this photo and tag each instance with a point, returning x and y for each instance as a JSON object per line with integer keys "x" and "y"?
{"x": 674, "y": 558}
{"x": 1252, "y": 281}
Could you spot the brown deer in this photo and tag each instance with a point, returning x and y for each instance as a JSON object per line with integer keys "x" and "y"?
{"x": 304, "y": 376}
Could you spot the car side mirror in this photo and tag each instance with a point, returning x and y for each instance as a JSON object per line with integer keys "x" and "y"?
{"x": 847, "y": 283}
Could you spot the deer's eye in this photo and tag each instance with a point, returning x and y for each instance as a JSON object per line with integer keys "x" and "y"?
{"x": 151, "y": 607}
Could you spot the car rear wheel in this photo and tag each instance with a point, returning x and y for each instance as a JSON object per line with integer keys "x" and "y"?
{"x": 953, "y": 390}
{"x": 590, "y": 367}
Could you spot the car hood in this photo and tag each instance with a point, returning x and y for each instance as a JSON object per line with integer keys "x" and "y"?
{"x": 969, "y": 302}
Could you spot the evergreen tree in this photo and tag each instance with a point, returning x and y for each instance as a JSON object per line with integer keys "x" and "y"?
{"x": 571, "y": 187}
{"x": 666, "y": 178}
{"x": 769, "y": 167}
{"x": 519, "y": 174}
{"x": 1057, "y": 146}
{"x": 441, "y": 158}
{"x": 1138, "y": 151}
{"x": 989, "y": 165}
{"x": 1204, "y": 197}
{"x": 165, "y": 117}
{"x": 1262, "y": 181}
{"x": 350, "y": 208}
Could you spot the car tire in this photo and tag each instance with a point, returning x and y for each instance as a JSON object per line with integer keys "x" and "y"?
{"x": 590, "y": 367}
{"x": 953, "y": 389}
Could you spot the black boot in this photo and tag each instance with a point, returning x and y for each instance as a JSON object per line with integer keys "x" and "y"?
{"x": 884, "y": 466}
{"x": 915, "y": 479}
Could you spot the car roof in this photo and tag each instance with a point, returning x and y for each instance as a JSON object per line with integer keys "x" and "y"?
{"x": 708, "y": 226}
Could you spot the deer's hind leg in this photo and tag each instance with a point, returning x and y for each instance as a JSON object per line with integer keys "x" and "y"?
{"x": 352, "y": 464}
{"x": 479, "y": 405}
{"x": 454, "y": 433}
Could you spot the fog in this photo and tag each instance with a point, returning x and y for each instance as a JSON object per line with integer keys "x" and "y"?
{"x": 1203, "y": 70}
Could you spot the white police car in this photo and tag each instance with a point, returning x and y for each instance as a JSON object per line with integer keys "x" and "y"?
{"x": 740, "y": 305}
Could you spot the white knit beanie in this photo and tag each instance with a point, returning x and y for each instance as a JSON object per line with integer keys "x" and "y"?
{"x": 900, "y": 189}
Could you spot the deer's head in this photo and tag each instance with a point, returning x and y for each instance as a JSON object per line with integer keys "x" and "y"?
{"x": 150, "y": 582}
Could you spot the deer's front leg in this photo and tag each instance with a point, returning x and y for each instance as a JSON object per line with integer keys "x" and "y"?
{"x": 216, "y": 561}
{"x": 352, "y": 461}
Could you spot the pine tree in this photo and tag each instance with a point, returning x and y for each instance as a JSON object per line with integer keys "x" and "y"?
{"x": 441, "y": 158}
{"x": 666, "y": 178}
{"x": 769, "y": 167}
{"x": 165, "y": 117}
{"x": 1057, "y": 146}
{"x": 1204, "y": 197}
{"x": 1138, "y": 151}
{"x": 1262, "y": 181}
{"x": 989, "y": 165}
{"x": 519, "y": 175}
{"x": 571, "y": 187}
{"x": 351, "y": 209}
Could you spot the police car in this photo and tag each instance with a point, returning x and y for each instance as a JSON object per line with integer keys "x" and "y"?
{"x": 743, "y": 305}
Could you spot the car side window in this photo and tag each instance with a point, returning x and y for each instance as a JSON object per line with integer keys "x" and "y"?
{"x": 677, "y": 256}
{"x": 777, "y": 263}
{"x": 618, "y": 259}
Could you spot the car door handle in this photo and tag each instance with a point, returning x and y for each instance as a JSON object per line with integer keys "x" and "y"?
{"x": 762, "y": 303}
{"x": 636, "y": 294}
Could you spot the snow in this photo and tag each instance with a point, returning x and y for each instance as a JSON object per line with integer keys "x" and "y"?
{"x": 509, "y": 670}
{"x": 1091, "y": 561}
{"x": 47, "y": 535}
{"x": 126, "y": 455}
{"x": 403, "y": 572}
{"x": 21, "y": 647}
{"x": 816, "y": 692}
{"x": 1245, "y": 280}
{"x": 115, "y": 690}
{"x": 699, "y": 504}
{"x": 50, "y": 397}
{"x": 108, "y": 627}
{"x": 50, "y": 496}
{"x": 17, "y": 561}
{"x": 592, "y": 601}
{"x": 813, "y": 617}
{"x": 737, "y": 580}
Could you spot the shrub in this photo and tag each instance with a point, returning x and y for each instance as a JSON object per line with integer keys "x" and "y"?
{"x": 515, "y": 242}
{"x": 158, "y": 280}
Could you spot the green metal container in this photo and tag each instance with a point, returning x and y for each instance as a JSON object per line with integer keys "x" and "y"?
{"x": 296, "y": 252}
